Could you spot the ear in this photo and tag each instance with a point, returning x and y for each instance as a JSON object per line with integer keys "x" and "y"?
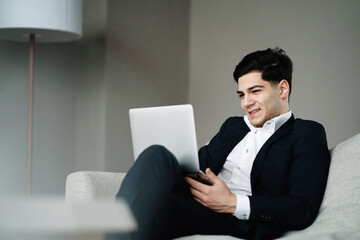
{"x": 284, "y": 89}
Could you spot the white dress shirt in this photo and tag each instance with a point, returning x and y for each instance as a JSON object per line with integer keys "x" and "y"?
{"x": 237, "y": 168}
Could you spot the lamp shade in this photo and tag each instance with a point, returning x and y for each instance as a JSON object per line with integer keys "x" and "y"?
{"x": 49, "y": 20}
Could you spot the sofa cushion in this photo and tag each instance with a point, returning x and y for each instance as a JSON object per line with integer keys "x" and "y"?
{"x": 91, "y": 185}
{"x": 324, "y": 236}
{"x": 208, "y": 237}
{"x": 340, "y": 209}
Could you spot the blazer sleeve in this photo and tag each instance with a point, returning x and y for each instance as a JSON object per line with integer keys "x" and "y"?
{"x": 208, "y": 152}
{"x": 298, "y": 206}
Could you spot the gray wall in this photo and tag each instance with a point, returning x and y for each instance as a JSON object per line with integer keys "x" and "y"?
{"x": 54, "y": 115}
{"x": 13, "y": 97}
{"x": 91, "y": 95}
{"x": 146, "y": 65}
{"x": 132, "y": 54}
{"x": 322, "y": 38}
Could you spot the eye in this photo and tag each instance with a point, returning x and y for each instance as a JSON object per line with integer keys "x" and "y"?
{"x": 256, "y": 90}
{"x": 241, "y": 96}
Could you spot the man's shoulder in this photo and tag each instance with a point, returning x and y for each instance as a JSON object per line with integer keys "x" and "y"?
{"x": 299, "y": 122}
{"x": 232, "y": 123}
{"x": 235, "y": 120}
{"x": 308, "y": 127}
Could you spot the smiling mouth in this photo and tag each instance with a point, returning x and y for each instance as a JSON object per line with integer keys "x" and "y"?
{"x": 253, "y": 112}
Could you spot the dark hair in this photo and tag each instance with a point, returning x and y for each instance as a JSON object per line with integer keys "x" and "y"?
{"x": 274, "y": 64}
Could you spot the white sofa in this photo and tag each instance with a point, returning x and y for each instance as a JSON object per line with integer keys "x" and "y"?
{"x": 338, "y": 219}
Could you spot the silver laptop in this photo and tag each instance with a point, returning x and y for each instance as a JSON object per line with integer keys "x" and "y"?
{"x": 170, "y": 126}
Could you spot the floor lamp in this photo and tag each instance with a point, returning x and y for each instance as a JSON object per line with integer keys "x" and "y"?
{"x": 38, "y": 21}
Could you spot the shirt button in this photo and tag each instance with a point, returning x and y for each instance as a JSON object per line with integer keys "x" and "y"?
{"x": 247, "y": 150}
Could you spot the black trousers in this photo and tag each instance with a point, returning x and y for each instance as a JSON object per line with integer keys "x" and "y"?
{"x": 163, "y": 206}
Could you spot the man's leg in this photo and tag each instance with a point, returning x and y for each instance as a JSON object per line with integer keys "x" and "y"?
{"x": 147, "y": 186}
{"x": 183, "y": 216}
{"x": 162, "y": 205}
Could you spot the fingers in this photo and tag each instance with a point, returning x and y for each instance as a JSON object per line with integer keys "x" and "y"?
{"x": 193, "y": 183}
{"x": 198, "y": 189}
{"x": 199, "y": 185}
{"x": 196, "y": 193}
{"x": 199, "y": 196}
{"x": 217, "y": 197}
{"x": 196, "y": 184}
{"x": 211, "y": 175}
{"x": 199, "y": 201}
{"x": 201, "y": 192}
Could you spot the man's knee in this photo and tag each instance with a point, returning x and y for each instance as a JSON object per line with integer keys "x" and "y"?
{"x": 158, "y": 154}
{"x": 156, "y": 148}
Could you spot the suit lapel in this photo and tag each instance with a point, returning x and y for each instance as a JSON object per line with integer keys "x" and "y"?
{"x": 261, "y": 156}
{"x": 237, "y": 133}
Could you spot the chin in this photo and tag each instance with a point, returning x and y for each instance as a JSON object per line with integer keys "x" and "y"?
{"x": 257, "y": 124}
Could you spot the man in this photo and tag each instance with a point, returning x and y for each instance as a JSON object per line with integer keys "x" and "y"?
{"x": 269, "y": 170}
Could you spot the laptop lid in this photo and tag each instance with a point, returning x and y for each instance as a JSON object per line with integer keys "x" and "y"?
{"x": 170, "y": 126}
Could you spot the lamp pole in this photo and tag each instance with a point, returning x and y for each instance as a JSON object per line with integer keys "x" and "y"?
{"x": 30, "y": 113}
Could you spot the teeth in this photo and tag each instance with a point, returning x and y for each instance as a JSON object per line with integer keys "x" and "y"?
{"x": 254, "y": 111}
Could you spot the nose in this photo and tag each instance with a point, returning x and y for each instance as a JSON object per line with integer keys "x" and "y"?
{"x": 247, "y": 101}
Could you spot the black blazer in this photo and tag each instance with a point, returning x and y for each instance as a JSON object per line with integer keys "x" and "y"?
{"x": 288, "y": 177}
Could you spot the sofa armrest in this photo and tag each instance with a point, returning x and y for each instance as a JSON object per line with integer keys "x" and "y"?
{"x": 90, "y": 185}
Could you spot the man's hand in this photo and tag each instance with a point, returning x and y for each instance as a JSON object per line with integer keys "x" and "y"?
{"x": 216, "y": 197}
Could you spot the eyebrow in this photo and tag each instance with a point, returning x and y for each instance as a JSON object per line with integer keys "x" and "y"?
{"x": 251, "y": 88}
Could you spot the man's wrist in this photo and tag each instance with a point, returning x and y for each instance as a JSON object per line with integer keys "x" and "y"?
{"x": 232, "y": 204}
{"x": 242, "y": 207}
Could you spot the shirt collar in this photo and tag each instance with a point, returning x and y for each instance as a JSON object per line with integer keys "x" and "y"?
{"x": 271, "y": 125}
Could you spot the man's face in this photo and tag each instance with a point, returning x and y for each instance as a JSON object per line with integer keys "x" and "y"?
{"x": 260, "y": 99}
